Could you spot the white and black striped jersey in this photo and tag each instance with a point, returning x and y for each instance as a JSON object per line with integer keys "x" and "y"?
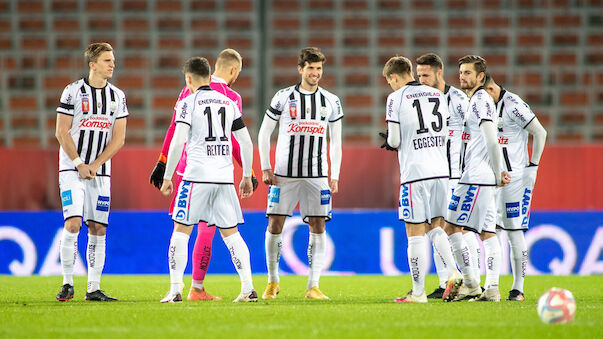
{"x": 94, "y": 111}
{"x": 476, "y": 163}
{"x": 422, "y": 112}
{"x": 457, "y": 106}
{"x": 212, "y": 117}
{"x": 301, "y": 150}
{"x": 513, "y": 117}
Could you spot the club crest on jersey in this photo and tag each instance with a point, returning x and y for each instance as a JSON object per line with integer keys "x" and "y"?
{"x": 85, "y": 103}
{"x": 323, "y": 112}
{"x": 293, "y": 109}
{"x": 102, "y": 204}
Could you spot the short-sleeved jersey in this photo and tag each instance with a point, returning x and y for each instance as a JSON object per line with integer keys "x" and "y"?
{"x": 94, "y": 111}
{"x": 421, "y": 112}
{"x": 212, "y": 117}
{"x": 513, "y": 117}
{"x": 477, "y": 165}
{"x": 301, "y": 150}
{"x": 457, "y": 102}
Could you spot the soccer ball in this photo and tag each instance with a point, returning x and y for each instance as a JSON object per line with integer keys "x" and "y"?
{"x": 556, "y": 306}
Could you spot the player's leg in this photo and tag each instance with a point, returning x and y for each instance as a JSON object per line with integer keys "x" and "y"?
{"x": 474, "y": 252}
{"x": 519, "y": 262}
{"x": 72, "y": 198}
{"x": 316, "y": 256}
{"x": 273, "y": 243}
{"x": 280, "y": 203}
{"x": 201, "y": 257}
{"x": 95, "y": 255}
{"x": 442, "y": 255}
{"x": 315, "y": 209}
{"x": 177, "y": 259}
{"x": 239, "y": 253}
{"x": 416, "y": 250}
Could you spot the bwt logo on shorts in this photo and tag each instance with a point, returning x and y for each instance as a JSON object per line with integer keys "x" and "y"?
{"x": 404, "y": 201}
{"x": 512, "y": 209}
{"x": 102, "y": 204}
{"x": 454, "y": 202}
{"x": 468, "y": 201}
{"x": 66, "y": 198}
{"x": 274, "y": 194}
{"x": 525, "y": 202}
{"x": 180, "y": 215}
{"x": 405, "y": 213}
{"x": 184, "y": 191}
{"x": 325, "y": 197}
{"x": 462, "y": 217}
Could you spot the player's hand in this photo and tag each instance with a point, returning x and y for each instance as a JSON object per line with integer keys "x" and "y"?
{"x": 254, "y": 181}
{"x": 334, "y": 186}
{"x": 505, "y": 178}
{"x": 268, "y": 177}
{"x": 385, "y": 144}
{"x": 156, "y": 178}
{"x": 529, "y": 175}
{"x": 167, "y": 187}
{"x": 245, "y": 187}
{"x": 85, "y": 171}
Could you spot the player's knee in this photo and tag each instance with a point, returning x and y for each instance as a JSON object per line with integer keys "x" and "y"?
{"x": 73, "y": 225}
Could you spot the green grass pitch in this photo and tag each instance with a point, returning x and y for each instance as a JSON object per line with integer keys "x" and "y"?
{"x": 360, "y": 307}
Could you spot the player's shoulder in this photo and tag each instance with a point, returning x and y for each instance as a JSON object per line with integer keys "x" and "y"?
{"x": 327, "y": 93}
{"x": 415, "y": 90}
{"x": 284, "y": 92}
{"x": 116, "y": 89}
{"x": 456, "y": 93}
{"x": 512, "y": 99}
{"x": 74, "y": 85}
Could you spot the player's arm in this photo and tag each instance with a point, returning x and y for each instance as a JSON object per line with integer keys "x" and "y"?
{"x": 489, "y": 132}
{"x": 392, "y": 137}
{"x": 535, "y": 128}
{"x": 393, "y": 134}
{"x": 242, "y": 134}
{"x": 336, "y": 154}
{"x": 268, "y": 125}
{"x": 156, "y": 178}
{"x": 118, "y": 139}
{"x": 62, "y": 134}
{"x": 173, "y": 157}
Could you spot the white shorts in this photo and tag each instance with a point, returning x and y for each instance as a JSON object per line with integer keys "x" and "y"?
{"x": 473, "y": 207}
{"x": 421, "y": 201}
{"x": 88, "y": 199}
{"x": 451, "y": 186}
{"x": 215, "y": 204}
{"x": 513, "y": 206}
{"x": 313, "y": 195}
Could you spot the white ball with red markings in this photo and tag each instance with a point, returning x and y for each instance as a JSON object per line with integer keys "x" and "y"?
{"x": 556, "y": 306}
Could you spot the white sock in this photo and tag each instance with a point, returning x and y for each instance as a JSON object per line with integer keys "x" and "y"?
{"x": 416, "y": 263}
{"x": 492, "y": 261}
{"x": 274, "y": 245}
{"x": 95, "y": 255}
{"x": 177, "y": 259}
{"x": 462, "y": 257}
{"x": 239, "y": 254}
{"x": 68, "y": 253}
{"x": 442, "y": 253}
{"x": 197, "y": 285}
{"x": 519, "y": 258}
{"x": 441, "y": 269}
{"x": 474, "y": 252}
{"x": 316, "y": 257}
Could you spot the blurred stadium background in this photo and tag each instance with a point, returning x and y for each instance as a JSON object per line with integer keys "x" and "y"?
{"x": 550, "y": 52}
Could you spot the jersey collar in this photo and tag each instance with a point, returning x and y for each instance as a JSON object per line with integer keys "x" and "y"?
{"x": 502, "y": 94}
{"x": 413, "y": 83}
{"x": 297, "y": 88}
{"x": 204, "y": 88}
{"x": 87, "y": 83}
{"x": 446, "y": 89}
{"x": 218, "y": 79}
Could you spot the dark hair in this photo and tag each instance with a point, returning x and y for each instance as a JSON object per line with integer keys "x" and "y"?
{"x": 488, "y": 79}
{"x": 310, "y": 55}
{"x": 397, "y": 65}
{"x": 478, "y": 62}
{"x": 197, "y": 66}
{"x": 430, "y": 59}
{"x": 95, "y": 49}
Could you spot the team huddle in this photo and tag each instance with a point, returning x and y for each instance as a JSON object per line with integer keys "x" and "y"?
{"x": 463, "y": 160}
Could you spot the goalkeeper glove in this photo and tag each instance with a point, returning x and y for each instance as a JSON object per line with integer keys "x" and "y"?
{"x": 385, "y": 144}
{"x": 156, "y": 178}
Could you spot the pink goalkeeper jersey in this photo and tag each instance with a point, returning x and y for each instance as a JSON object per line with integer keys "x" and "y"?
{"x": 218, "y": 85}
